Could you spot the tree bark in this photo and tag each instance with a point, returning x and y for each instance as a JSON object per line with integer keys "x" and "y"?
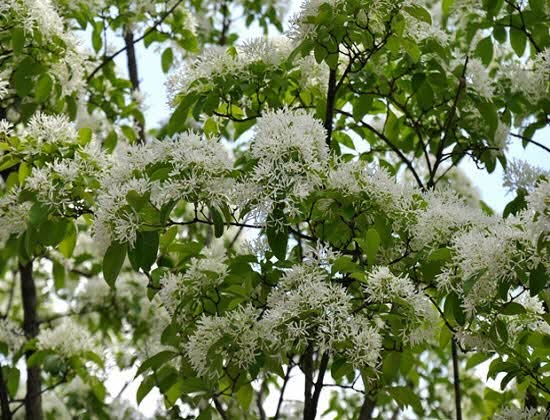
{"x": 367, "y": 408}
{"x": 456, "y": 374}
{"x": 331, "y": 98}
{"x": 33, "y": 398}
{"x": 133, "y": 73}
{"x": 4, "y": 399}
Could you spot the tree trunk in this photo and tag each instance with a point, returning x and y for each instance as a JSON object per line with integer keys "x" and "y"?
{"x": 33, "y": 398}
{"x": 133, "y": 73}
{"x": 367, "y": 408}
{"x": 4, "y": 399}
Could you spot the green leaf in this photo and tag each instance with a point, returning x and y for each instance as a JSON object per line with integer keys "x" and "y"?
{"x": 39, "y": 213}
{"x": 12, "y": 376}
{"x": 156, "y": 361}
{"x": 512, "y": 308}
{"x": 476, "y": 359}
{"x": 58, "y": 271}
{"x": 7, "y": 161}
{"x": 51, "y": 232}
{"x": 67, "y": 245}
{"x": 537, "y": 280}
{"x": 420, "y": 13}
{"x": 167, "y": 59}
{"x": 43, "y": 88}
{"x": 217, "y": 219}
{"x": 453, "y": 308}
{"x": 489, "y": 111}
{"x": 484, "y": 50}
{"x": 516, "y": 205}
{"x": 373, "y": 243}
{"x": 425, "y": 96}
{"x": 144, "y": 388}
{"x": 518, "y": 40}
{"x": 113, "y": 261}
{"x": 136, "y": 200}
{"x": 244, "y": 396}
{"x": 17, "y": 40}
{"x": 84, "y": 136}
{"x": 145, "y": 249}
{"x": 405, "y": 396}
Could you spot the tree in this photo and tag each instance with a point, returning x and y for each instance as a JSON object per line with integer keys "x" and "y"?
{"x": 330, "y": 237}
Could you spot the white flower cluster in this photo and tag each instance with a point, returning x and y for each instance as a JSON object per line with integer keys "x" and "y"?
{"x": 521, "y": 174}
{"x": 67, "y": 64}
{"x": 234, "y": 339}
{"x": 43, "y": 129}
{"x": 218, "y": 62}
{"x": 306, "y": 308}
{"x": 67, "y": 338}
{"x": 382, "y": 286}
{"x": 443, "y": 215}
{"x": 4, "y": 86}
{"x": 13, "y": 214}
{"x": 419, "y": 30}
{"x": 36, "y": 15}
{"x": 372, "y": 13}
{"x": 531, "y": 79}
{"x": 537, "y": 215}
{"x": 11, "y": 335}
{"x": 487, "y": 255}
{"x": 514, "y": 413}
{"x": 478, "y": 79}
{"x": 357, "y": 177}
{"x": 292, "y": 156}
{"x": 204, "y": 274}
{"x": 196, "y": 170}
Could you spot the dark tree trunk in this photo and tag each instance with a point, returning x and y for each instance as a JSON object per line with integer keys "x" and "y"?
{"x": 33, "y": 398}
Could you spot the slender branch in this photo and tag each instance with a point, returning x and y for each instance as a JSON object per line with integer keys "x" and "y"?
{"x": 528, "y": 140}
{"x": 282, "y": 393}
{"x": 392, "y": 146}
{"x": 319, "y": 384}
{"x": 110, "y": 58}
{"x": 448, "y": 124}
{"x": 220, "y": 409}
{"x": 456, "y": 374}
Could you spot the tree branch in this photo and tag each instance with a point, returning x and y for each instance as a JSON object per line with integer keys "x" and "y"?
{"x": 528, "y": 140}
{"x": 282, "y": 393}
{"x": 110, "y": 58}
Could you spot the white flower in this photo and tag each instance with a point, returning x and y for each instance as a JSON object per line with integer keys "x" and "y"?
{"x": 4, "y": 85}
{"x": 243, "y": 339}
{"x": 514, "y": 413}
{"x": 521, "y": 174}
{"x": 11, "y": 335}
{"x": 445, "y": 214}
{"x": 13, "y": 214}
{"x": 50, "y": 129}
{"x": 478, "y": 79}
{"x": 67, "y": 338}
{"x": 291, "y": 152}
{"x": 204, "y": 274}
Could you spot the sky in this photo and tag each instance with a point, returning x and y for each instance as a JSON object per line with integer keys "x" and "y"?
{"x": 157, "y": 110}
